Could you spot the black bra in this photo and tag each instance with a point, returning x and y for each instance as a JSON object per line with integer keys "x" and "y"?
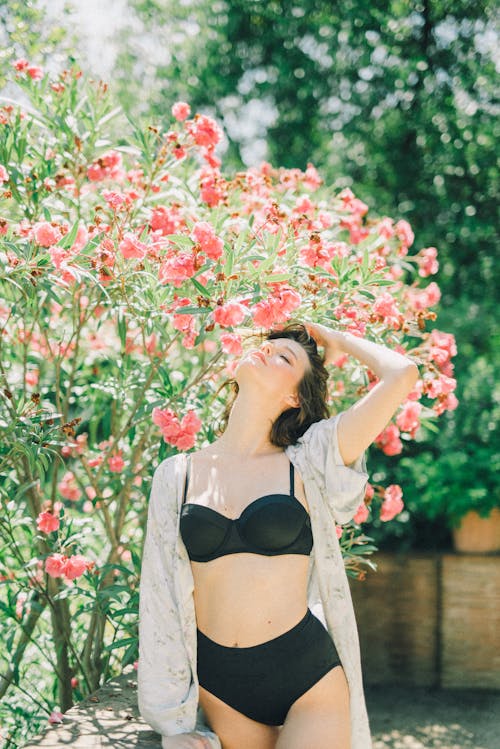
{"x": 270, "y": 525}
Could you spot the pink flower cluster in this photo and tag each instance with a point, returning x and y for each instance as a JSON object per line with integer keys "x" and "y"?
{"x": 59, "y": 565}
{"x": 132, "y": 247}
{"x": 392, "y": 503}
{"x": 427, "y": 262}
{"x": 166, "y": 220}
{"x": 231, "y": 344}
{"x": 204, "y": 234}
{"x": 46, "y": 234}
{"x": 177, "y": 268}
{"x": 320, "y": 253}
{"x": 204, "y": 130}
{"x": 23, "y": 66}
{"x": 107, "y": 166}
{"x": 231, "y": 313}
{"x": 388, "y": 440}
{"x": 276, "y": 309}
{"x": 180, "y": 434}
{"x": 47, "y": 522}
{"x": 68, "y": 487}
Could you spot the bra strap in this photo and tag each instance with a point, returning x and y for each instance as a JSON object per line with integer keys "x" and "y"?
{"x": 186, "y": 480}
{"x": 292, "y": 490}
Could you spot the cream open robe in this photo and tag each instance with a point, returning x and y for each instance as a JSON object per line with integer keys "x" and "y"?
{"x": 167, "y": 673}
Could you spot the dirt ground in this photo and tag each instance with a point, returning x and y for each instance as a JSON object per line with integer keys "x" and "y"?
{"x": 425, "y": 718}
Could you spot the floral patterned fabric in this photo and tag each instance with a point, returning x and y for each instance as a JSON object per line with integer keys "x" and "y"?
{"x": 167, "y": 673}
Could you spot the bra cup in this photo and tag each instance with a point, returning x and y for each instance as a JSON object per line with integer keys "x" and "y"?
{"x": 273, "y": 527}
{"x": 208, "y": 540}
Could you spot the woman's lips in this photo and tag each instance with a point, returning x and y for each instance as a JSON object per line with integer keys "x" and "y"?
{"x": 260, "y": 356}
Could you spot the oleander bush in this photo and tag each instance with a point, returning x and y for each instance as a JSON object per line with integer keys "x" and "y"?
{"x": 134, "y": 271}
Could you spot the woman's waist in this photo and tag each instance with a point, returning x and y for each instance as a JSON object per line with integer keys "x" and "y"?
{"x": 244, "y": 620}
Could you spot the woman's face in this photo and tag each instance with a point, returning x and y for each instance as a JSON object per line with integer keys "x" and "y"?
{"x": 277, "y": 365}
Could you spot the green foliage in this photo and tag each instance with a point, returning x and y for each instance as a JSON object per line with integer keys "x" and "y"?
{"x": 396, "y": 100}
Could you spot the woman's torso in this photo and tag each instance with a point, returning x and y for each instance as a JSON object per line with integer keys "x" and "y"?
{"x": 243, "y": 599}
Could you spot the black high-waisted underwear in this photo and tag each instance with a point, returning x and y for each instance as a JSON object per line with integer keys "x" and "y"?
{"x": 263, "y": 681}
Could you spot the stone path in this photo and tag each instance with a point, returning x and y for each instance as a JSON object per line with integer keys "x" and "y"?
{"x": 400, "y": 718}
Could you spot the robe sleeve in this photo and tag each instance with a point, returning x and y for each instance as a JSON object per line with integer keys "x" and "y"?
{"x": 343, "y": 486}
{"x": 164, "y": 672}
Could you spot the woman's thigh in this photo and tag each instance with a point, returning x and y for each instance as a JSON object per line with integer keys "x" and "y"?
{"x": 320, "y": 718}
{"x": 235, "y": 730}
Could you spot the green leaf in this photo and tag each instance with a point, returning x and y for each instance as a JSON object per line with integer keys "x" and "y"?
{"x": 68, "y": 239}
{"x": 201, "y": 288}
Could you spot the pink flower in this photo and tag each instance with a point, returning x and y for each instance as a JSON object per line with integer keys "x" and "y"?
{"x": 116, "y": 463}
{"x": 408, "y": 418}
{"x": 107, "y": 166}
{"x": 392, "y": 504}
{"x": 114, "y": 199}
{"x": 427, "y": 263}
{"x": 45, "y": 234}
{"x": 181, "y": 110}
{"x": 404, "y": 232}
{"x": 204, "y": 234}
{"x": 442, "y": 347}
{"x": 385, "y": 306}
{"x": 440, "y": 385}
{"x": 68, "y": 487}
{"x": 289, "y": 300}
{"x": 264, "y": 314}
{"x": 20, "y": 64}
{"x": 4, "y": 176}
{"x": 385, "y": 227}
{"x": 388, "y": 440}
{"x": 231, "y": 313}
{"x": 362, "y": 514}
{"x": 34, "y": 72}
{"x": 231, "y": 343}
{"x": 180, "y": 434}
{"x": 423, "y": 298}
{"x": 177, "y": 269}
{"x": 312, "y": 180}
{"x": 55, "y": 564}
{"x": 275, "y": 309}
{"x": 75, "y": 566}
{"x": 183, "y": 322}
{"x": 166, "y": 220}
{"x": 47, "y": 522}
{"x": 191, "y": 422}
{"x": 132, "y": 247}
{"x": 303, "y": 205}
{"x": 204, "y": 130}
{"x": 212, "y": 187}
{"x": 55, "y": 717}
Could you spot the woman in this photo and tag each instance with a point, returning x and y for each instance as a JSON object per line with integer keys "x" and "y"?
{"x": 255, "y": 646}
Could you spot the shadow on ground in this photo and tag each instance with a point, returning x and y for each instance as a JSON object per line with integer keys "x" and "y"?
{"x": 425, "y": 718}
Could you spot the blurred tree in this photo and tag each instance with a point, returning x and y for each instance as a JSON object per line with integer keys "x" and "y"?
{"x": 395, "y": 99}
{"x": 25, "y": 32}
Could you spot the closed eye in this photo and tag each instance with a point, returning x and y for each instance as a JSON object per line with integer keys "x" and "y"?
{"x": 285, "y": 358}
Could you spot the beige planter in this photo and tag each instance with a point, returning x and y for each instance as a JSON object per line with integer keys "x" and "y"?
{"x": 477, "y": 534}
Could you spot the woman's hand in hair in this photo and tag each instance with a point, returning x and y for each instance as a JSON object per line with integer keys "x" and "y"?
{"x": 330, "y": 340}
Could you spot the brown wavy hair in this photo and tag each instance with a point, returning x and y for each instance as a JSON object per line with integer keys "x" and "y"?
{"x": 312, "y": 390}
